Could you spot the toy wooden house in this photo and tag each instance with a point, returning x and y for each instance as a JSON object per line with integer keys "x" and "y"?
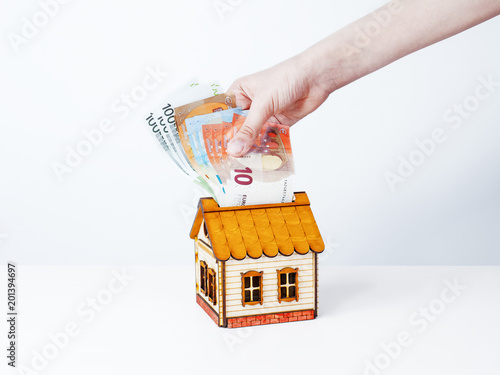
{"x": 257, "y": 264}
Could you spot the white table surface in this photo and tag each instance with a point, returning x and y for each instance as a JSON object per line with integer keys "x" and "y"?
{"x": 154, "y": 326}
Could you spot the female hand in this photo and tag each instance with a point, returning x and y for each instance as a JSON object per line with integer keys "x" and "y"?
{"x": 282, "y": 94}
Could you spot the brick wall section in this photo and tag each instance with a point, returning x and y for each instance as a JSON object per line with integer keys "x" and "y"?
{"x": 257, "y": 320}
{"x": 200, "y": 301}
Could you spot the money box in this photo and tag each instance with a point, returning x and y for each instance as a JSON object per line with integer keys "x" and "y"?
{"x": 257, "y": 264}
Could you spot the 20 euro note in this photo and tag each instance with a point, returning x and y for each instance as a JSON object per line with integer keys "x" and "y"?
{"x": 201, "y": 153}
{"x": 266, "y": 174}
{"x": 196, "y": 143}
{"x": 201, "y": 130}
{"x": 194, "y": 129}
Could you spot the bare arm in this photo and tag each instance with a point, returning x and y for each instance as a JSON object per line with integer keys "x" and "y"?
{"x": 294, "y": 88}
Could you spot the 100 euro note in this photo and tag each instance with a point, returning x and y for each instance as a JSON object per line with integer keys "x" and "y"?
{"x": 168, "y": 139}
{"x": 162, "y": 124}
{"x": 175, "y": 140}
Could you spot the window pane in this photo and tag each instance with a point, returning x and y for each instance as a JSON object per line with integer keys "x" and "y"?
{"x": 247, "y": 296}
{"x": 283, "y": 278}
{"x": 283, "y": 292}
{"x": 256, "y": 281}
{"x": 256, "y": 294}
{"x": 203, "y": 278}
{"x": 291, "y": 277}
{"x": 291, "y": 292}
{"x": 247, "y": 282}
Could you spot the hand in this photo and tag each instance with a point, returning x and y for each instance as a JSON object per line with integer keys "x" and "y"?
{"x": 291, "y": 90}
{"x": 282, "y": 94}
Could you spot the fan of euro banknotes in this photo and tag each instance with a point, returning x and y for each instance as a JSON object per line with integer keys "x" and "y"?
{"x": 196, "y": 136}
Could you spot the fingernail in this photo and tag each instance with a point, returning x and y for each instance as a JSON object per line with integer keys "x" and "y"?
{"x": 235, "y": 147}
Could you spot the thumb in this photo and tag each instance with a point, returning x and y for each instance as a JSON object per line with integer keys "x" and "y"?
{"x": 244, "y": 139}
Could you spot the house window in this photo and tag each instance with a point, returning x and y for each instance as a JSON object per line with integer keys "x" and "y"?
{"x": 203, "y": 277}
{"x": 288, "y": 284}
{"x": 212, "y": 294}
{"x": 251, "y": 288}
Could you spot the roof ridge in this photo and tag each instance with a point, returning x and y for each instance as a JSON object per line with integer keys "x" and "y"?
{"x": 209, "y": 204}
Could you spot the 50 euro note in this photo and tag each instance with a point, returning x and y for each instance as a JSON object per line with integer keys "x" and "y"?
{"x": 189, "y": 139}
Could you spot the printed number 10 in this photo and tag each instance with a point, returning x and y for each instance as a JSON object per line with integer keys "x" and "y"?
{"x": 241, "y": 178}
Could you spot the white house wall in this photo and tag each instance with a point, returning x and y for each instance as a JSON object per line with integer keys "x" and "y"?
{"x": 201, "y": 234}
{"x": 206, "y": 254}
{"x": 234, "y": 268}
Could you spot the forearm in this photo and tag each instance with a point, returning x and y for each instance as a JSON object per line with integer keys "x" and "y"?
{"x": 391, "y": 32}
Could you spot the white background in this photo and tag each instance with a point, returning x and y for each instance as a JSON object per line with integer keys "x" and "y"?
{"x": 152, "y": 324}
{"x": 126, "y": 203}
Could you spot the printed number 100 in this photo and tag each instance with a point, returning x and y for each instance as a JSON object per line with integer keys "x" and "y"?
{"x": 243, "y": 177}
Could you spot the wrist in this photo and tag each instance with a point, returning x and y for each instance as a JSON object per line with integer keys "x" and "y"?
{"x": 328, "y": 66}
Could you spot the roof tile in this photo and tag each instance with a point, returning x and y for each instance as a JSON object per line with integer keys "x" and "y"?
{"x": 301, "y": 245}
{"x": 262, "y": 229}
{"x": 285, "y": 246}
{"x": 270, "y": 248}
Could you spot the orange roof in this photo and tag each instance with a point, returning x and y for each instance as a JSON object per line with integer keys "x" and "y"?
{"x": 260, "y": 229}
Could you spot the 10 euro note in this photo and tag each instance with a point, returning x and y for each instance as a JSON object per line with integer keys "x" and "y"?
{"x": 266, "y": 174}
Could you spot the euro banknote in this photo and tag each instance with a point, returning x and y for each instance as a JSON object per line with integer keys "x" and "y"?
{"x": 264, "y": 175}
{"x": 196, "y": 137}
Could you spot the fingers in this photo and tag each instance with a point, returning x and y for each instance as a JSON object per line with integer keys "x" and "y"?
{"x": 242, "y": 99}
{"x": 257, "y": 116}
